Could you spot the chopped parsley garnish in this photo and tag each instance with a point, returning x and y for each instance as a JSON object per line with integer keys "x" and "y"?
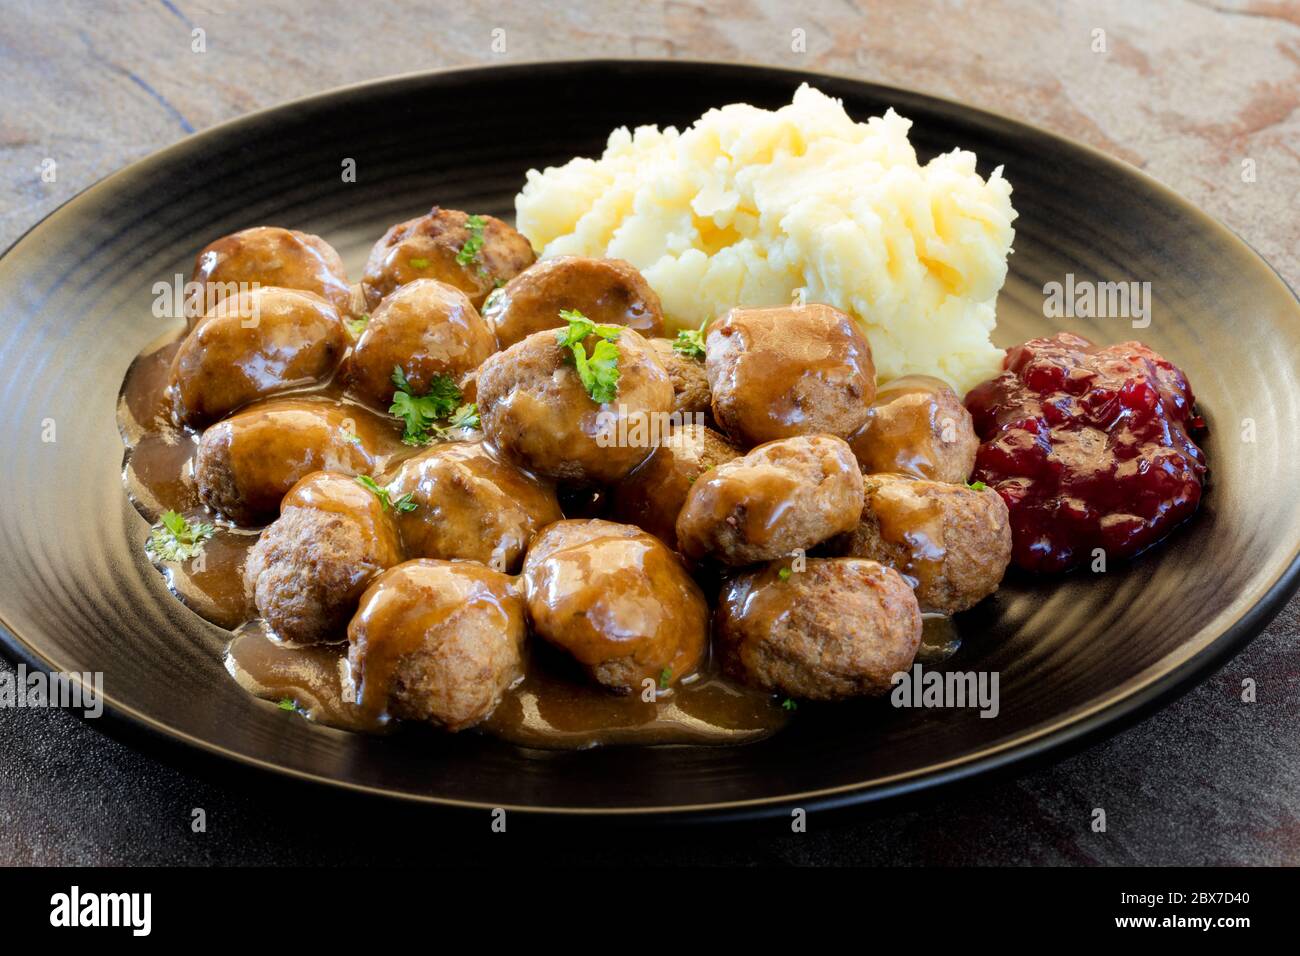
{"x": 404, "y": 503}
{"x": 784, "y": 574}
{"x": 358, "y": 325}
{"x": 469, "y": 252}
{"x": 419, "y": 413}
{"x": 420, "y": 263}
{"x": 287, "y": 703}
{"x": 665, "y": 678}
{"x": 977, "y": 486}
{"x": 490, "y": 302}
{"x": 175, "y": 539}
{"x": 690, "y": 342}
{"x": 789, "y": 704}
{"x": 465, "y": 417}
{"x": 599, "y": 371}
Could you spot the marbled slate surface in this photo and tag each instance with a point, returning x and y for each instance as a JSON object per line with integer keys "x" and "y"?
{"x": 1188, "y": 91}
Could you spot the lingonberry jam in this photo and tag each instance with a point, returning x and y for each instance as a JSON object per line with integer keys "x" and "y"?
{"x": 1089, "y": 448}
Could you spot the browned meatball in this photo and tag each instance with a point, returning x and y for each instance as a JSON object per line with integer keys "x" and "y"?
{"x": 248, "y": 462}
{"x": 309, "y": 567}
{"x": 841, "y": 627}
{"x": 446, "y": 245}
{"x": 917, "y": 426}
{"x": 426, "y": 328}
{"x": 618, "y": 601}
{"x": 252, "y": 346}
{"x": 472, "y": 505}
{"x": 652, "y": 496}
{"x": 536, "y": 411}
{"x": 437, "y": 641}
{"x": 792, "y": 370}
{"x": 782, "y": 496}
{"x": 271, "y": 256}
{"x": 607, "y": 291}
{"x": 691, "y": 395}
{"x": 954, "y": 542}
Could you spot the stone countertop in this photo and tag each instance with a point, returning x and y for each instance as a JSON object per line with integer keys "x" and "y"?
{"x": 1194, "y": 92}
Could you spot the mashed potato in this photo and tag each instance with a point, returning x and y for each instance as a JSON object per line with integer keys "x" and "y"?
{"x": 755, "y": 207}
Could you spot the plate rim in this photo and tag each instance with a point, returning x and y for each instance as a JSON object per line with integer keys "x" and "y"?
{"x": 1119, "y": 709}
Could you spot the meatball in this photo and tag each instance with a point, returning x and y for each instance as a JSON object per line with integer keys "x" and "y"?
{"x": 426, "y": 328}
{"x": 271, "y": 256}
{"x": 652, "y": 496}
{"x": 535, "y": 410}
{"x": 917, "y": 426}
{"x": 251, "y": 346}
{"x": 248, "y": 462}
{"x": 691, "y": 395}
{"x": 473, "y": 253}
{"x": 309, "y": 567}
{"x": 437, "y": 641}
{"x": 607, "y": 291}
{"x": 782, "y": 496}
{"x": 472, "y": 505}
{"x": 792, "y": 370}
{"x": 841, "y": 627}
{"x": 954, "y": 542}
{"x": 618, "y": 601}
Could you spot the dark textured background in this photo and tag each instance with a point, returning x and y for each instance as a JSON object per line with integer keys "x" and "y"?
{"x": 1187, "y": 91}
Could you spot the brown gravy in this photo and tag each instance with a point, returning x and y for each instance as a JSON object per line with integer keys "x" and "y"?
{"x": 915, "y": 525}
{"x": 940, "y": 638}
{"x": 547, "y": 709}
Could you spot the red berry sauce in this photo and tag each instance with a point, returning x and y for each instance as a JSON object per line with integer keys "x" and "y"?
{"x": 1089, "y": 448}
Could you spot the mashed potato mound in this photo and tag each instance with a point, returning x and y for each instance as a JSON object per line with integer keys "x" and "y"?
{"x": 754, "y": 207}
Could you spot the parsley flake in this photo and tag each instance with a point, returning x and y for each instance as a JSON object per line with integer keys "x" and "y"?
{"x": 404, "y": 503}
{"x": 175, "y": 539}
{"x": 465, "y": 417}
{"x": 599, "y": 371}
{"x": 287, "y": 703}
{"x": 690, "y": 342}
{"x": 473, "y": 247}
{"x": 784, "y": 574}
{"x": 665, "y": 678}
{"x": 495, "y": 296}
{"x": 789, "y": 704}
{"x": 358, "y": 325}
{"x": 977, "y": 486}
{"x": 420, "y": 413}
{"x": 419, "y": 263}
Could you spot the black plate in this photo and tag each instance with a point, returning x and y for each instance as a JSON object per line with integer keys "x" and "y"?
{"x": 1077, "y": 656}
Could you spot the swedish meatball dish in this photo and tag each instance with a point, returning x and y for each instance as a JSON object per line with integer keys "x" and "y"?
{"x": 533, "y": 479}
